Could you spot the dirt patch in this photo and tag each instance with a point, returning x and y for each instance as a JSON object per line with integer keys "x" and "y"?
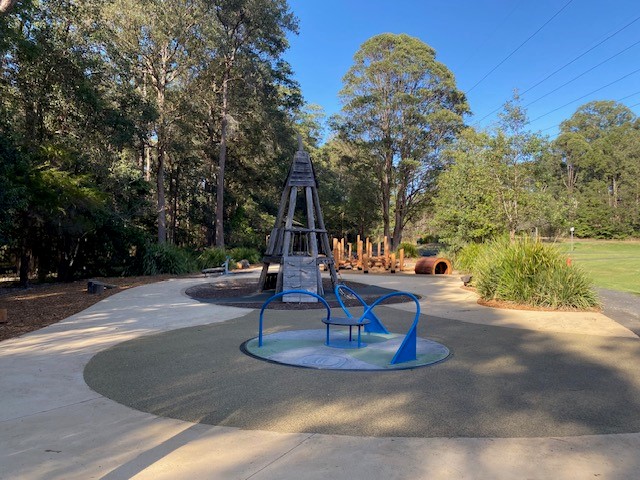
{"x": 37, "y": 306}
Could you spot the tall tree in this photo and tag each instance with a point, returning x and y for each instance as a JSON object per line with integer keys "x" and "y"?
{"x": 154, "y": 43}
{"x": 492, "y": 185}
{"x": 63, "y": 127}
{"x": 252, "y": 37}
{"x": 404, "y": 105}
{"x": 599, "y": 147}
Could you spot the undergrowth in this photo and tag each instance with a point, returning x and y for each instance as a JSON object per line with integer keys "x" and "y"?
{"x": 528, "y": 272}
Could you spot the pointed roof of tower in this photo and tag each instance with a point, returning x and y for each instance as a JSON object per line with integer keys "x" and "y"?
{"x": 301, "y": 173}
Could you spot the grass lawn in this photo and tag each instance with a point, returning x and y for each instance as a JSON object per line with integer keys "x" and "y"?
{"x": 612, "y": 264}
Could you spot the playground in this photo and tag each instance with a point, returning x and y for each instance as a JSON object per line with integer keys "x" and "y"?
{"x": 151, "y": 383}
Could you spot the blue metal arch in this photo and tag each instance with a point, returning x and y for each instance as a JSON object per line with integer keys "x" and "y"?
{"x": 407, "y": 350}
{"x": 375, "y": 324}
{"x": 278, "y": 295}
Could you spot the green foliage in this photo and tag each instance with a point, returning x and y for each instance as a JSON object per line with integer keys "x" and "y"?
{"x": 531, "y": 273}
{"x": 467, "y": 257}
{"x": 245, "y": 253}
{"x": 348, "y": 192}
{"x": 211, "y": 257}
{"x": 466, "y": 205}
{"x": 410, "y": 250}
{"x": 599, "y": 150}
{"x": 164, "y": 258}
{"x": 402, "y": 106}
{"x": 495, "y": 184}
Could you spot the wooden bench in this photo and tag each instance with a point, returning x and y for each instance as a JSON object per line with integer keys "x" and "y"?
{"x": 96, "y": 286}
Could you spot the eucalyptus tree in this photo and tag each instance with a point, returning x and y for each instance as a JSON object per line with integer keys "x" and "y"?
{"x": 494, "y": 183}
{"x": 250, "y": 37}
{"x": 599, "y": 148}
{"x": 405, "y": 107}
{"x": 155, "y": 43}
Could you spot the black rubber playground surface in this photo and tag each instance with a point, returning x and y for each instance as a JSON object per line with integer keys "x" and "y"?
{"x": 500, "y": 382}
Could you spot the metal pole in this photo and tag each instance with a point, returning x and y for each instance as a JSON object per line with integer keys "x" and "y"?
{"x": 571, "y": 230}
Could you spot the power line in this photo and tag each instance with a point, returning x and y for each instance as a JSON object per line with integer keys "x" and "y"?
{"x": 519, "y": 46}
{"x": 587, "y": 94}
{"x": 581, "y": 55}
{"x": 582, "y": 74}
{"x": 486, "y": 38}
{"x": 628, "y": 96}
{"x": 618, "y": 100}
{"x": 566, "y": 65}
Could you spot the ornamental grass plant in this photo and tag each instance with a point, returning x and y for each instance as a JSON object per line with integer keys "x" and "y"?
{"x": 528, "y": 272}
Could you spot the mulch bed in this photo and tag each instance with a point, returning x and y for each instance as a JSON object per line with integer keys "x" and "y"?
{"x": 520, "y": 306}
{"x": 39, "y": 305}
{"x": 247, "y": 288}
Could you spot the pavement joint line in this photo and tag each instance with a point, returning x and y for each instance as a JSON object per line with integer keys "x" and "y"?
{"x": 304, "y": 440}
{"x": 97, "y": 397}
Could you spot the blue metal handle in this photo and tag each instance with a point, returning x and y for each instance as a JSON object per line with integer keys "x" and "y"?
{"x": 342, "y": 286}
{"x": 278, "y": 295}
{"x": 375, "y": 324}
{"x": 407, "y": 350}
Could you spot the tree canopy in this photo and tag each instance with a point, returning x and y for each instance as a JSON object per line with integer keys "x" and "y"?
{"x": 403, "y": 107}
{"x": 131, "y": 128}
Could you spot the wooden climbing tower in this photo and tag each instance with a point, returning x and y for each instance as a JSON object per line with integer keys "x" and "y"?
{"x": 299, "y": 243}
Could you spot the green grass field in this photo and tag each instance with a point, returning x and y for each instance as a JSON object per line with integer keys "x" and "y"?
{"x": 612, "y": 264}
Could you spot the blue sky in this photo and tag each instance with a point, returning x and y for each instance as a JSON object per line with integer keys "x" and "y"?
{"x": 472, "y": 37}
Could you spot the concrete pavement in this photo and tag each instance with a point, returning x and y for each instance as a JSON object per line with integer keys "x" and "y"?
{"x": 52, "y": 425}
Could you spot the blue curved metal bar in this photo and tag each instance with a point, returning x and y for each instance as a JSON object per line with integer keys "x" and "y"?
{"x": 287, "y": 292}
{"x": 407, "y": 350}
{"x": 375, "y": 324}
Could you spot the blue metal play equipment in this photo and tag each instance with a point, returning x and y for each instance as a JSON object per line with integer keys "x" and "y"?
{"x": 371, "y": 323}
{"x": 281, "y": 294}
{"x": 375, "y": 325}
{"x": 407, "y": 350}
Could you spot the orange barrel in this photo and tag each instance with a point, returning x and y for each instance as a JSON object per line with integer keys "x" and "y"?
{"x": 433, "y": 266}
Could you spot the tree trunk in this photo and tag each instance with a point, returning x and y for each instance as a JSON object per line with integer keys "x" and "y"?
{"x": 397, "y": 229}
{"x": 6, "y": 5}
{"x": 222, "y": 159}
{"x": 162, "y": 208}
{"x": 386, "y": 192}
{"x": 174, "y": 205}
{"x": 25, "y": 260}
{"x": 161, "y": 147}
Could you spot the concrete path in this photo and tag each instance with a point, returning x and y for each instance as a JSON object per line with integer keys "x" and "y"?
{"x": 53, "y": 426}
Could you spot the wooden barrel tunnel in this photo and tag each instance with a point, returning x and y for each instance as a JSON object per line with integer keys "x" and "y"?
{"x": 433, "y": 266}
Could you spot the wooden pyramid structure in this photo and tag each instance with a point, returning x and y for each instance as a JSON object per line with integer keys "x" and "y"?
{"x": 299, "y": 247}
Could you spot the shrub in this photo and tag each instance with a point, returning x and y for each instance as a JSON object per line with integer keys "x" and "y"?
{"x": 211, "y": 257}
{"x": 242, "y": 253}
{"x": 466, "y": 258}
{"x": 531, "y": 273}
{"x": 165, "y": 258}
{"x": 410, "y": 250}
